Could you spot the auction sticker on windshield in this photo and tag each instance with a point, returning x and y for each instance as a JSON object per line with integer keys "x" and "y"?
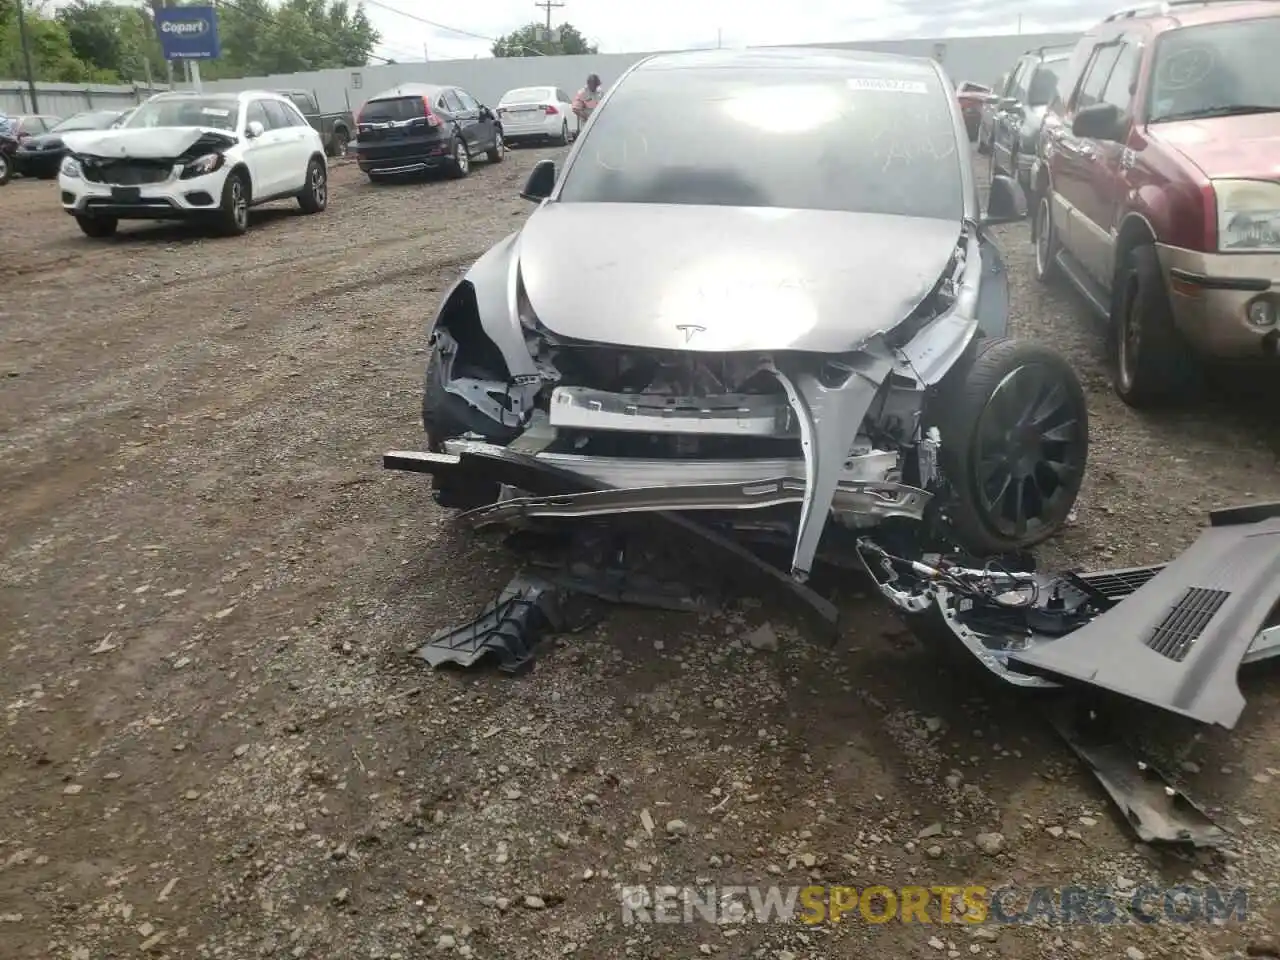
{"x": 215, "y": 112}
{"x": 887, "y": 85}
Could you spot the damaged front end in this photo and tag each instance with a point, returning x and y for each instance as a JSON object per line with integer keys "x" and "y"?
{"x": 780, "y": 442}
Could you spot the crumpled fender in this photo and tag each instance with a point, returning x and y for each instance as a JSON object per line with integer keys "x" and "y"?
{"x": 492, "y": 280}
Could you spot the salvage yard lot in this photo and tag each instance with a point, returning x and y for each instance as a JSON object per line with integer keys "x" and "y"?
{"x": 215, "y": 745}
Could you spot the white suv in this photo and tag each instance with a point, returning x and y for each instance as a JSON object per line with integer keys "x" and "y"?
{"x": 194, "y": 156}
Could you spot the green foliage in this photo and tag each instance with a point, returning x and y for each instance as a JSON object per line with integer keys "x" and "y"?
{"x": 103, "y": 41}
{"x": 527, "y": 42}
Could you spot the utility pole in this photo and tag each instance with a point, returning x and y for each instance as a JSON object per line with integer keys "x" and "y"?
{"x": 1019, "y": 24}
{"x": 548, "y": 5}
{"x": 719, "y": 39}
{"x": 26, "y": 57}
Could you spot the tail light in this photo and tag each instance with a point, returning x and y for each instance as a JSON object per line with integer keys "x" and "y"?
{"x": 551, "y": 111}
{"x": 360, "y": 111}
{"x": 432, "y": 119}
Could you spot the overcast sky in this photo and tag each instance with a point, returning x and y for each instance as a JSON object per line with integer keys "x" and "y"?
{"x": 627, "y": 26}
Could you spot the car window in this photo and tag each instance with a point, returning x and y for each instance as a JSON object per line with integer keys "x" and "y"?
{"x": 452, "y": 102}
{"x": 296, "y": 116}
{"x": 33, "y": 126}
{"x": 883, "y": 144}
{"x": 1215, "y": 69}
{"x": 562, "y": 97}
{"x": 468, "y": 102}
{"x": 1118, "y": 89}
{"x": 1044, "y": 87}
{"x": 441, "y": 106}
{"x": 220, "y": 111}
{"x": 1015, "y": 79}
{"x": 394, "y": 110}
{"x": 256, "y": 111}
{"x": 1096, "y": 74}
{"x": 86, "y": 121}
{"x": 303, "y": 102}
{"x": 279, "y": 120}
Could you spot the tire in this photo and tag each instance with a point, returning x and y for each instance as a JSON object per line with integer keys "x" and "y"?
{"x": 1015, "y": 440}
{"x": 445, "y": 416}
{"x": 1044, "y": 238}
{"x": 338, "y": 143}
{"x": 460, "y": 165}
{"x": 563, "y": 139}
{"x": 499, "y": 149}
{"x": 98, "y": 227}
{"x": 232, "y": 219}
{"x": 314, "y": 197}
{"x": 1151, "y": 364}
{"x": 6, "y": 170}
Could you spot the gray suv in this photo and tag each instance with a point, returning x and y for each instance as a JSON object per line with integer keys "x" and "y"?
{"x": 1032, "y": 86}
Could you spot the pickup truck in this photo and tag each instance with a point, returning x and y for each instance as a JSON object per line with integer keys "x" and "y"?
{"x": 334, "y": 128}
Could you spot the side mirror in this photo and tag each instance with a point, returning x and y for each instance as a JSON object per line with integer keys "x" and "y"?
{"x": 1006, "y": 203}
{"x": 542, "y": 180}
{"x": 1099, "y": 121}
{"x": 254, "y": 129}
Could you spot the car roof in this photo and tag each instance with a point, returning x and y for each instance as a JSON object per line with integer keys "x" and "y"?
{"x": 822, "y": 60}
{"x": 1190, "y": 13}
{"x": 411, "y": 90}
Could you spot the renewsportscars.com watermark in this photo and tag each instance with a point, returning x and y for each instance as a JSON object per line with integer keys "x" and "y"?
{"x": 935, "y": 904}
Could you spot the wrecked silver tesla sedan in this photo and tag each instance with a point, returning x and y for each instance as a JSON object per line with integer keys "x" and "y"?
{"x": 780, "y": 299}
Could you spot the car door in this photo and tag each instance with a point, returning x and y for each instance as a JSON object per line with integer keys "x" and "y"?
{"x": 263, "y": 153}
{"x": 466, "y": 120}
{"x": 1005, "y": 124}
{"x": 1070, "y": 162}
{"x": 486, "y": 127}
{"x": 296, "y": 151}
{"x": 1109, "y": 172}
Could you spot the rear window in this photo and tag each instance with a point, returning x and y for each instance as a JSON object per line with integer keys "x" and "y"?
{"x": 881, "y": 142}
{"x": 527, "y": 95}
{"x": 392, "y": 110}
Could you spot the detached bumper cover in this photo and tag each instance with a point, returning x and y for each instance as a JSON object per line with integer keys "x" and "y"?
{"x": 1178, "y": 641}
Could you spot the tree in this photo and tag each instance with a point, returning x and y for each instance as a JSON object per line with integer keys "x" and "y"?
{"x": 113, "y": 38}
{"x": 528, "y": 42}
{"x": 258, "y": 39}
{"x": 52, "y": 56}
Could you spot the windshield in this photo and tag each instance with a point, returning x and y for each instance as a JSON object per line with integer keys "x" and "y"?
{"x": 1215, "y": 69}
{"x": 881, "y": 143}
{"x": 527, "y": 95}
{"x": 86, "y": 121}
{"x": 218, "y": 112}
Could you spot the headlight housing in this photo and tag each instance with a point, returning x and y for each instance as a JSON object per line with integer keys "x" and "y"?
{"x": 202, "y": 165}
{"x": 70, "y": 167}
{"x": 1248, "y": 216}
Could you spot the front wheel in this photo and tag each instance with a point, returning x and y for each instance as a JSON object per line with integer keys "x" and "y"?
{"x": 315, "y": 195}
{"x": 1152, "y": 364}
{"x": 1015, "y": 440}
{"x": 6, "y": 173}
{"x": 98, "y": 227}
{"x": 498, "y": 150}
{"x": 233, "y": 215}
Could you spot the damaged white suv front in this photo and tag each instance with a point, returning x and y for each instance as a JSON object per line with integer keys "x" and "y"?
{"x": 786, "y": 314}
{"x": 189, "y": 156}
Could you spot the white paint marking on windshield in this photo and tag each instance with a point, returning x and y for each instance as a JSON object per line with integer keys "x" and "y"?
{"x": 887, "y": 85}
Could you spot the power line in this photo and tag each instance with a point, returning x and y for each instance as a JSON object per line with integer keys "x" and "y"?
{"x": 548, "y": 5}
{"x": 430, "y": 23}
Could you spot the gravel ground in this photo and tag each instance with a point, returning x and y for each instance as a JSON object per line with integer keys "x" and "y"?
{"x": 214, "y": 744}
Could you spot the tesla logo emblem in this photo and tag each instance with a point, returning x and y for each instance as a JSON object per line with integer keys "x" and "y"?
{"x": 689, "y": 330}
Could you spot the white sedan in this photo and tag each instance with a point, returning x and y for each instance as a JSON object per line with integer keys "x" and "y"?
{"x": 537, "y": 113}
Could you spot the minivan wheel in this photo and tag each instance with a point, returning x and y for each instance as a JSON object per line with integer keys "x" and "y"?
{"x": 1015, "y": 443}
{"x": 1152, "y": 364}
{"x": 461, "y": 164}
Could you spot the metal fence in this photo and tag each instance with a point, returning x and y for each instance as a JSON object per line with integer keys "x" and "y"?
{"x": 65, "y": 99}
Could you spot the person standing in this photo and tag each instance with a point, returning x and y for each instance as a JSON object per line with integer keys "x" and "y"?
{"x": 587, "y": 99}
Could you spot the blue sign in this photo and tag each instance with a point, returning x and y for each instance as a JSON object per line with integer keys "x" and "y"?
{"x": 188, "y": 33}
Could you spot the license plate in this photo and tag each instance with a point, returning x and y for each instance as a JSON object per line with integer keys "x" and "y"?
{"x": 126, "y": 194}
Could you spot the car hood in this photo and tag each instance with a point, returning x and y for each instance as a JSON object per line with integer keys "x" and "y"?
{"x": 675, "y": 277}
{"x": 145, "y": 143}
{"x": 1245, "y": 146}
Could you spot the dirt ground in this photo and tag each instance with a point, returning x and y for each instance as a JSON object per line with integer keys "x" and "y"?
{"x": 215, "y": 745}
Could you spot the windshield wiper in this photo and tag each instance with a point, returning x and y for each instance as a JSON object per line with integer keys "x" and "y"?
{"x": 1234, "y": 110}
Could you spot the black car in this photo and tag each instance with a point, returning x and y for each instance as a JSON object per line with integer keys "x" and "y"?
{"x": 40, "y": 155}
{"x": 419, "y": 127}
{"x": 1019, "y": 112}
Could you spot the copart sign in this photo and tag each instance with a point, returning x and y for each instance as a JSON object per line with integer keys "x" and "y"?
{"x": 188, "y": 33}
